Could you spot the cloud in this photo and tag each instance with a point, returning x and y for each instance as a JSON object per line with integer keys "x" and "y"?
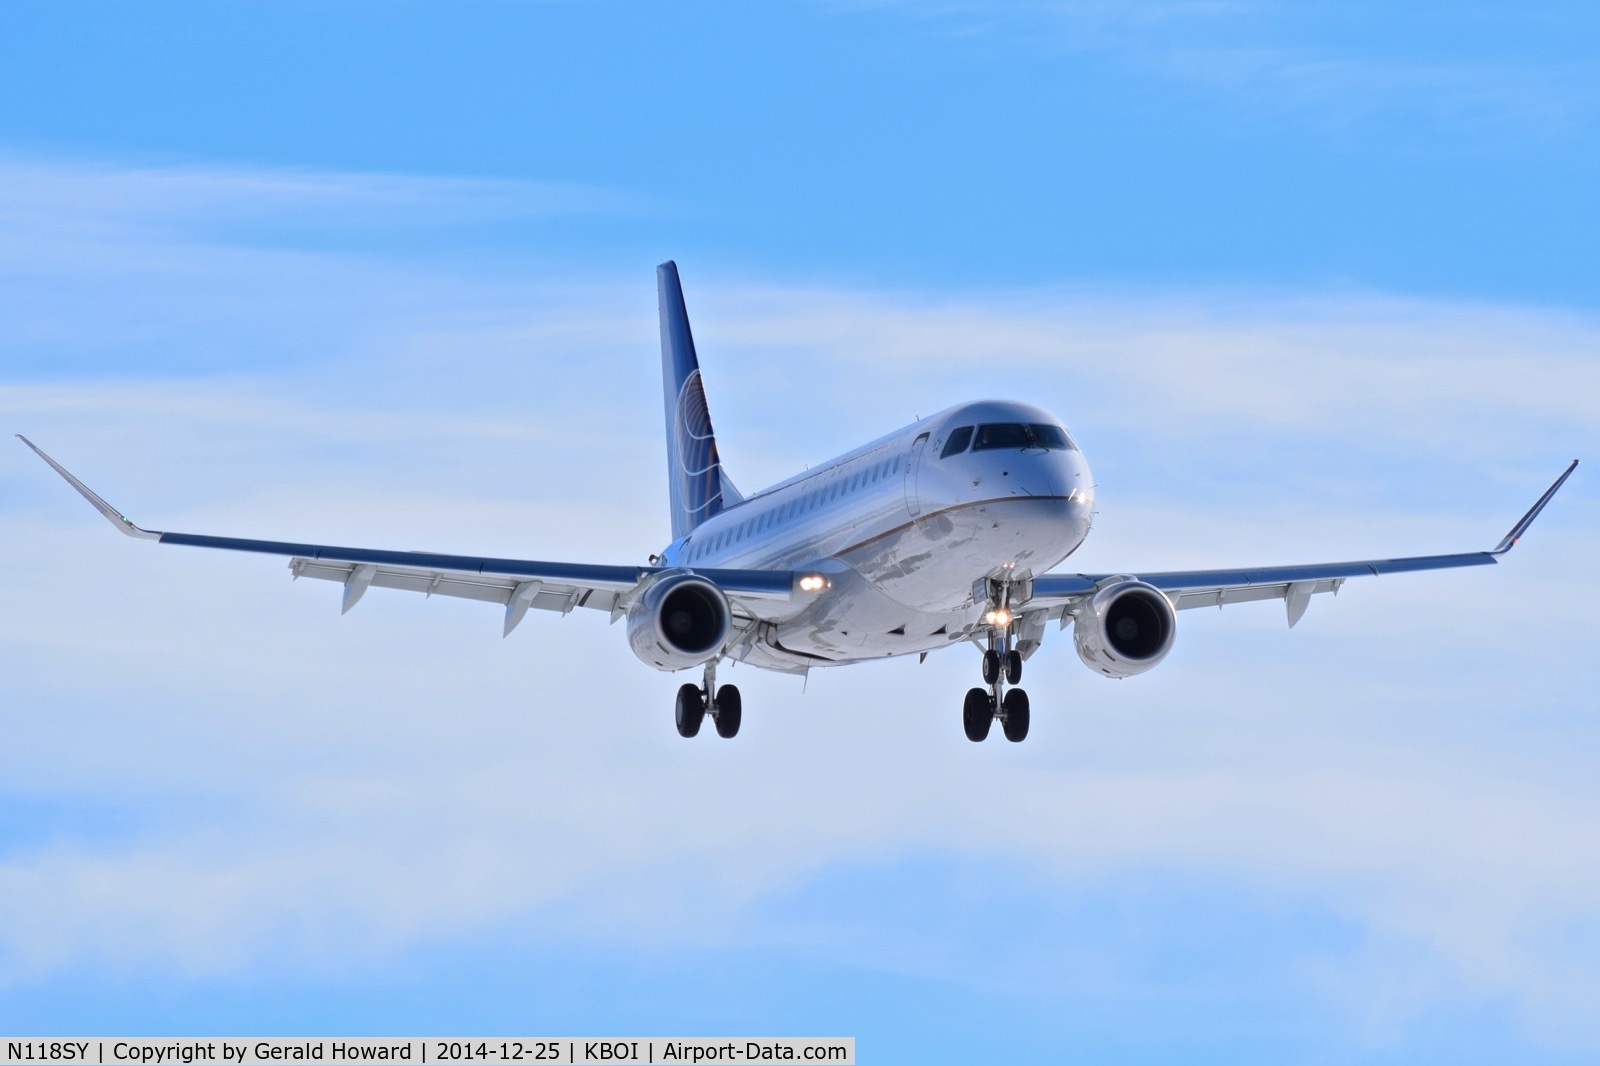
{"x": 99, "y": 199}
{"x": 280, "y": 786}
{"x": 1333, "y": 67}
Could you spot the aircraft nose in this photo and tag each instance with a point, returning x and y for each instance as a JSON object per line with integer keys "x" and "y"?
{"x": 1034, "y": 473}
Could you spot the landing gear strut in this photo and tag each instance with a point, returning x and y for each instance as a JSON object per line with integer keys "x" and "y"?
{"x": 1002, "y": 666}
{"x": 694, "y": 702}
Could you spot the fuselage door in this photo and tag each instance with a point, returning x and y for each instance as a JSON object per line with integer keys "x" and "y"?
{"x": 913, "y": 463}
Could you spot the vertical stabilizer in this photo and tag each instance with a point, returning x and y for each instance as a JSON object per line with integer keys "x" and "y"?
{"x": 694, "y": 469}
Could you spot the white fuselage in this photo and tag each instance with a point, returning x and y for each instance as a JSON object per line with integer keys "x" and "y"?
{"x": 906, "y": 535}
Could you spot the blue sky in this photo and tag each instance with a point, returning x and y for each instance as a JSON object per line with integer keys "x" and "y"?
{"x": 1306, "y": 281}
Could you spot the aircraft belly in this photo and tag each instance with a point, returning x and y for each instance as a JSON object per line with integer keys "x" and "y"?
{"x": 858, "y": 621}
{"x": 932, "y": 563}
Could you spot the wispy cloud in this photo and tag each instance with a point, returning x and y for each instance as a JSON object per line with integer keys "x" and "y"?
{"x": 1334, "y": 66}
{"x": 94, "y": 197}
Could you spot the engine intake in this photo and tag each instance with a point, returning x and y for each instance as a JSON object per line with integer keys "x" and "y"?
{"x": 1126, "y": 628}
{"x": 679, "y": 622}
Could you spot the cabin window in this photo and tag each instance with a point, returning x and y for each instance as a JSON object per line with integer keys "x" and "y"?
{"x": 959, "y": 439}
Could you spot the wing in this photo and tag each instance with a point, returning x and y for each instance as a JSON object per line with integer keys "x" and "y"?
{"x": 516, "y": 584}
{"x": 1054, "y": 595}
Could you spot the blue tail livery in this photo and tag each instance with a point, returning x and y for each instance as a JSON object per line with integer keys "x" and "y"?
{"x": 695, "y": 480}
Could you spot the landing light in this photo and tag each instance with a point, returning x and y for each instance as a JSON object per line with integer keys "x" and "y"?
{"x": 811, "y": 583}
{"x": 1001, "y": 617}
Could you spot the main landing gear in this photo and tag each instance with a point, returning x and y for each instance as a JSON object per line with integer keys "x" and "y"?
{"x": 726, "y": 709}
{"x": 1002, "y": 666}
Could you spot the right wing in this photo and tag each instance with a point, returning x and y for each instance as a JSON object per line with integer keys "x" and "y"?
{"x": 516, "y": 584}
{"x": 1058, "y": 594}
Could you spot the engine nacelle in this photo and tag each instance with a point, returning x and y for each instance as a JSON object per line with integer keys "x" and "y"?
{"x": 1125, "y": 629}
{"x": 680, "y": 621}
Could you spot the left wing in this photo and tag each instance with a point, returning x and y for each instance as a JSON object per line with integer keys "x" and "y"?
{"x": 1054, "y": 595}
{"x": 517, "y": 584}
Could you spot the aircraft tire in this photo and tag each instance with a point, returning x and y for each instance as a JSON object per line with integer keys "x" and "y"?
{"x": 977, "y": 714}
{"x": 991, "y": 667}
{"x": 730, "y": 711}
{"x": 1013, "y": 667}
{"x": 690, "y": 710}
{"x": 1015, "y": 721}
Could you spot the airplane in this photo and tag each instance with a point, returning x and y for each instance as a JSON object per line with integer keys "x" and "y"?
{"x": 943, "y": 532}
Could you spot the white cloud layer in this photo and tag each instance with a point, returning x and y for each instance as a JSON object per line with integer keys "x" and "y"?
{"x": 262, "y": 782}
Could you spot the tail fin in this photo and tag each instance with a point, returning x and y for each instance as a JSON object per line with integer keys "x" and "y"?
{"x": 695, "y": 480}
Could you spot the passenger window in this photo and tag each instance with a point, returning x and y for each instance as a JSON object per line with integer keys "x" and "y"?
{"x": 959, "y": 439}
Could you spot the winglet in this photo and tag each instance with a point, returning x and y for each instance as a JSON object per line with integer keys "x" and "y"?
{"x": 114, "y": 516}
{"x": 1509, "y": 541}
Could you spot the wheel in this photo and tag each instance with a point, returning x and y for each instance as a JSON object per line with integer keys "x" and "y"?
{"x": 1013, "y": 667}
{"x": 730, "y": 710}
{"x": 977, "y": 714}
{"x": 690, "y": 710}
{"x": 1015, "y": 719}
{"x": 991, "y": 667}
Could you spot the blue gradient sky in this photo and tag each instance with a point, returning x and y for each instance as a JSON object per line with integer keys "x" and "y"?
{"x": 1307, "y": 282}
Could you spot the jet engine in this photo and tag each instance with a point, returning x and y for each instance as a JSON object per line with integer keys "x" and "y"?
{"x": 1125, "y": 628}
{"x": 680, "y": 621}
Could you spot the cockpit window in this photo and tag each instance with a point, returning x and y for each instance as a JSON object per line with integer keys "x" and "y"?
{"x": 1001, "y": 435}
{"x": 1017, "y": 435}
{"x": 1052, "y": 437}
{"x": 959, "y": 439}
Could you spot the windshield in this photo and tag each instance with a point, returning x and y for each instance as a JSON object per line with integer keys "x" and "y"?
{"x": 1018, "y": 435}
{"x": 958, "y": 442}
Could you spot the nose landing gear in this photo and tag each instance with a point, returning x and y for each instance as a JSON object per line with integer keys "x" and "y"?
{"x": 724, "y": 704}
